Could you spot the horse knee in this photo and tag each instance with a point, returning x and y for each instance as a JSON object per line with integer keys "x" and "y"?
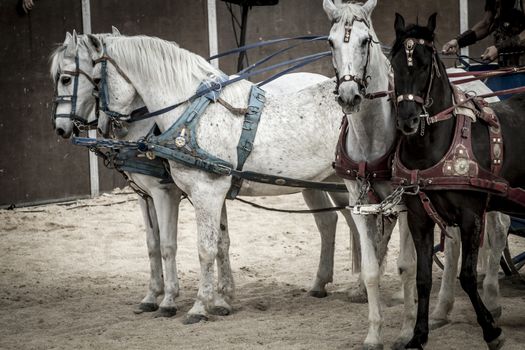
{"x": 168, "y": 250}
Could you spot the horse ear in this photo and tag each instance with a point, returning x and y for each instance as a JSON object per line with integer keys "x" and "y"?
{"x": 67, "y": 39}
{"x": 115, "y": 31}
{"x": 94, "y": 45}
{"x": 71, "y": 44}
{"x": 399, "y": 24}
{"x": 431, "y": 25}
{"x": 330, "y": 9}
{"x": 369, "y": 6}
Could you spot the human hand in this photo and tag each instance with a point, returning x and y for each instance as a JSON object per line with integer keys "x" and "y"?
{"x": 27, "y": 5}
{"x": 490, "y": 54}
{"x": 450, "y": 48}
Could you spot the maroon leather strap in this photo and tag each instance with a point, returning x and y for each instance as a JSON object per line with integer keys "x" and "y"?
{"x": 380, "y": 169}
{"x": 434, "y": 215}
{"x": 410, "y": 97}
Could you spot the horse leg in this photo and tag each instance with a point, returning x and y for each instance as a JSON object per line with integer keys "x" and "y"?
{"x": 370, "y": 272}
{"x": 439, "y": 316}
{"x": 225, "y": 283}
{"x": 326, "y": 224}
{"x": 167, "y": 200}
{"x": 208, "y": 203}
{"x": 470, "y": 239}
{"x": 422, "y": 230}
{"x": 496, "y": 227}
{"x": 156, "y": 283}
{"x": 357, "y": 293}
{"x": 406, "y": 264}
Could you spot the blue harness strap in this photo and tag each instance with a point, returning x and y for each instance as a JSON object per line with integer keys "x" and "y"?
{"x": 134, "y": 161}
{"x": 124, "y": 156}
{"x": 249, "y": 130}
{"x": 179, "y": 142}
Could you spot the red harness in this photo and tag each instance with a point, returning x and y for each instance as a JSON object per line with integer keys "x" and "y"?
{"x": 459, "y": 169}
{"x": 345, "y": 167}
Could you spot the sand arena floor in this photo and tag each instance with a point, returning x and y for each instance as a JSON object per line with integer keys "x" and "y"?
{"x": 71, "y": 276}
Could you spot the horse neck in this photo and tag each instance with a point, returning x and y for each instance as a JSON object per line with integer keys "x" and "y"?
{"x": 138, "y": 129}
{"x": 422, "y": 151}
{"x": 372, "y": 131}
{"x": 160, "y": 94}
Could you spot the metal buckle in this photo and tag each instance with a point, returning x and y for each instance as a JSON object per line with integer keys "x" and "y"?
{"x": 221, "y": 169}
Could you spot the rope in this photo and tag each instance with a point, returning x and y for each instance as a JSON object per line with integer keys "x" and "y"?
{"x": 311, "y": 211}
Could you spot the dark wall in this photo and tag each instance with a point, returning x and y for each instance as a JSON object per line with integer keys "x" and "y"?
{"x": 35, "y": 165}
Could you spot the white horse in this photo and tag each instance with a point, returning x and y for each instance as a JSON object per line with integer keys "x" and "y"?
{"x": 360, "y": 64}
{"x": 304, "y": 117}
{"x": 159, "y": 209}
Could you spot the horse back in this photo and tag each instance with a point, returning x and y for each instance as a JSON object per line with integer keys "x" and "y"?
{"x": 511, "y": 114}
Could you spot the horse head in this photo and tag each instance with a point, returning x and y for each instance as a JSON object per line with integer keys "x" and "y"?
{"x": 351, "y": 37}
{"x": 71, "y": 70}
{"x": 116, "y": 93}
{"x": 415, "y": 65}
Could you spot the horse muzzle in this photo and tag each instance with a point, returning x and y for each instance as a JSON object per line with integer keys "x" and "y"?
{"x": 350, "y": 97}
{"x": 408, "y": 126}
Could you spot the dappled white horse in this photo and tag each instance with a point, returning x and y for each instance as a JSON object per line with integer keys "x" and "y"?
{"x": 362, "y": 68}
{"x": 327, "y": 136}
{"x": 161, "y": 225}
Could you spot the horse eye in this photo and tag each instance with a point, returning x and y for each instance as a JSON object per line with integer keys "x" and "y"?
{"x": 96, "y": 81}
{"x": 65, "y": 80}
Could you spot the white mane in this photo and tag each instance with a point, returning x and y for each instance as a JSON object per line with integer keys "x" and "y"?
{"x": 162, "y": 61}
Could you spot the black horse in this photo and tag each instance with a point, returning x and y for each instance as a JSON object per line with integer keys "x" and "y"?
{"x": 422, "y": 89}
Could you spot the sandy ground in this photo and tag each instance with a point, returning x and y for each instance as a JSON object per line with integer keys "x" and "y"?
{"x": 70, "y": 276}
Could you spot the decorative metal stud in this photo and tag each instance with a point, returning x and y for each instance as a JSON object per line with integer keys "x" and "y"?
{"x": 150, "y": 155}
{"x": 280, "y": 182}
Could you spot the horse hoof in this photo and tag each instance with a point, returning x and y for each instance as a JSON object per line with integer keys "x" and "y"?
{"x": 372, "y": 346}
{"x": 437, "y": 323}
{"x": 399, "y": 344}
{"x": 412, "y": 345}
{"x": 192, "y": 319}
{"x": 146, "y": 307}
{"x": 166, "y": 312}
{"x": 318, "y": 293}
{"x": 497, "y": 343}
{"x": 496, "y": 313}
{"x": 220, "y": 311}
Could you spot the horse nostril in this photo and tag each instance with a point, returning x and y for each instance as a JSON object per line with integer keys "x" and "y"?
{"x": 60, "y": 132}
{"x": 99, "y": 130}
{"x": 357, "y": 100}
